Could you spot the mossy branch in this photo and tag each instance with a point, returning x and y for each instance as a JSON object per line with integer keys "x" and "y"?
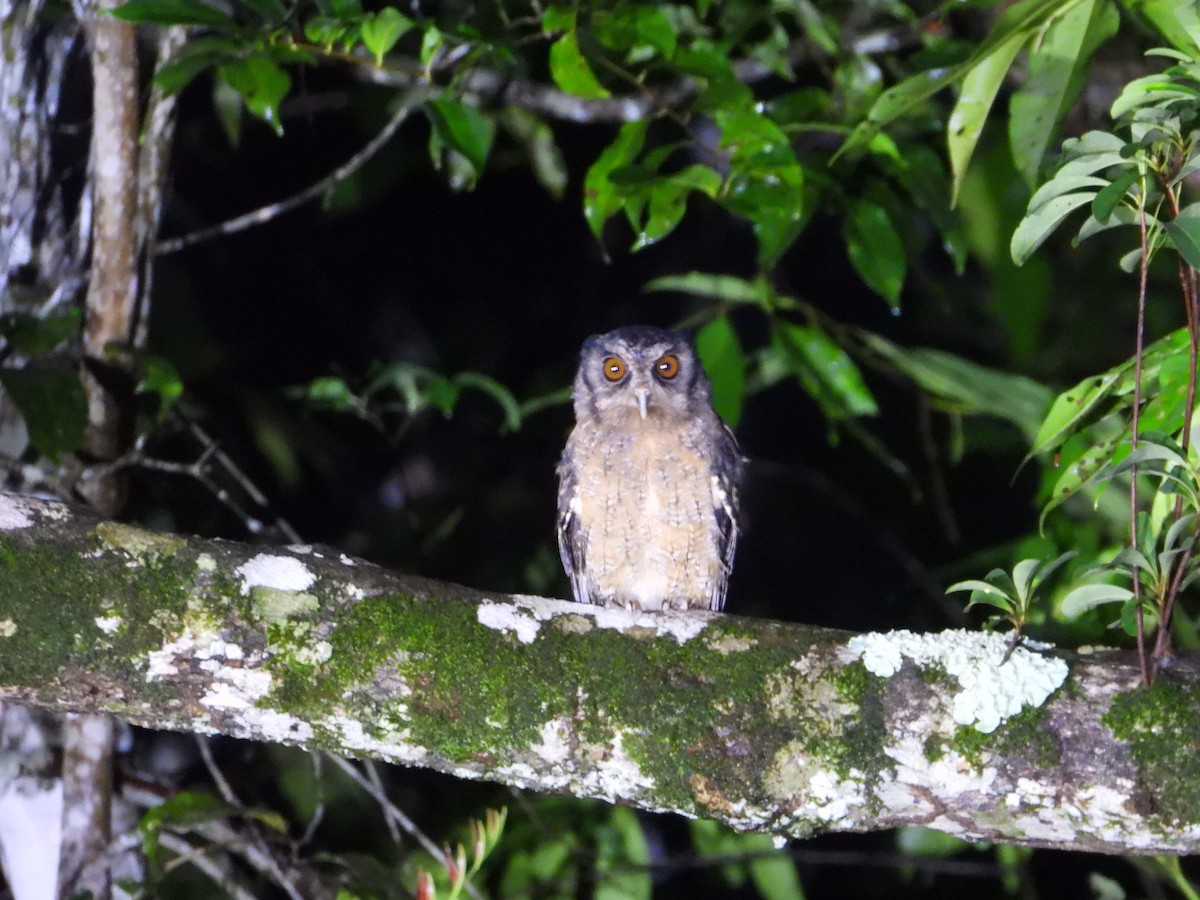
{"x": 763, "y": 725}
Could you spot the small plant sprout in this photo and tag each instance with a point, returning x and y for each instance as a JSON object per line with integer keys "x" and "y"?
{"x": 1012, "y": 595}
{"x": 484, "y": 836}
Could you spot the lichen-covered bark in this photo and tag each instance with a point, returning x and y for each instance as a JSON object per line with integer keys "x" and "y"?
{"x": 761, "y": 724}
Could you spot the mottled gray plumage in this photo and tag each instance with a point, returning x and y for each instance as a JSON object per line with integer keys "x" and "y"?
{"x": 647, "y": 506}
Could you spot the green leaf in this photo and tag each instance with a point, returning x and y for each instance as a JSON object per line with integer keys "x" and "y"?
{"x": 174, "y": 12}
{"x": 1039, "y": 224}
{"x": 771, "y": 869}
{"x": 381, "y": 31}
{"x": 32, "y": 335}
{"x": 725, "y": 288}
{"x": 825, "y": 370}
{"x": 1105, "y": 202}
{"x": 724, "y": 360}
{"x": 498, "y": 392}
{"x": 160, "y": 377}
{"x": 978, "y": 92}
{"x": 1072, "y": 407}
{"x": 53, "y": 403}
{"x": 631, "y": 28}
{"x": 463, "y": 128}
{"x": 875, "y": 249}
{"x": 184, "y": 809}
{"x": 537, "y": 139}
{"x": 1184, "y": 232}
{"x": 571, "y": 71}
{"x": 262, "y": 85}
{"x": 1176, "y": 20}
{"x": 1056, "y": 66}
{"x": 1089, "y": 596}
{"x": 1022, "y": 19}
{"x": 601, "y": 198}
{"x": 272, "y": 12}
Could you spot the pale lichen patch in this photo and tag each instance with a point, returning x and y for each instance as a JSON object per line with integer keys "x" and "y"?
{"x": 732, "y": 643}
{"x": 107, "y": 624}
{"x": 275, "y": 605}
{"x": 272, "y": 570}
{"x": 15, "y": 513}
{"x": 993, "y": 690}
{"x": 143, "y": 545}
{"x": 508, "y": 618}
{"x": 809, "y": 788}
{"x": 7, "y": 627}
{"x": 616, "y": 775}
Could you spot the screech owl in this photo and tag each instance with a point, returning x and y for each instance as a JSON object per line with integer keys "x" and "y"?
{"x": 647, "y": 485}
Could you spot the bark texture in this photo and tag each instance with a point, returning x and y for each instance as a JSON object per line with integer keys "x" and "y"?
{"x": 763, "y": 725}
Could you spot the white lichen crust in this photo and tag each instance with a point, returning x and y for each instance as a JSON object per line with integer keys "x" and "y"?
{"x": 522, "y": 616}
{"x": 993, "y": 689}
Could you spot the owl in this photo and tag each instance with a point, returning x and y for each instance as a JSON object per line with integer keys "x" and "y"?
{"x": 647, "y": 501}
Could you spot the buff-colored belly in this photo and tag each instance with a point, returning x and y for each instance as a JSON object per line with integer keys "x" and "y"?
{"x": 649, "y": 532}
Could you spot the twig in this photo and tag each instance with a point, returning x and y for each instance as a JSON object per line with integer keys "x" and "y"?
{"x": 410, "y": 101}
{"x": 392, "y": 811}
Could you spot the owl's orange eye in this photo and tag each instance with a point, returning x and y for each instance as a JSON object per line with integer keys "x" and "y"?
{"x": 667, "y": 366}
{"x": 614, "y": 368}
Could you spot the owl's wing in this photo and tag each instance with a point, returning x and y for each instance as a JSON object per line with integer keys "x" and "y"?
{"x": 726, "y": 472}
{"x": 570, "y": 538}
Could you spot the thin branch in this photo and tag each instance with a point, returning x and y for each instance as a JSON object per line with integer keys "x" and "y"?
{"x": 391, "y": 811}
{"x": 408, "y": 102}
{"x": 1139, "y": 344}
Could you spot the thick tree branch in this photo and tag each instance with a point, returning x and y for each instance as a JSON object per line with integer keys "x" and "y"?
{"x": 760, "y": 724}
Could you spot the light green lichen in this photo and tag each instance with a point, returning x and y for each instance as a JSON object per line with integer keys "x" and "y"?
{"x": 148, "y": 546}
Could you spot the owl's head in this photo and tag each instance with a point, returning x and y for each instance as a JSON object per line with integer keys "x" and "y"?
{"x": 640, "y": 369}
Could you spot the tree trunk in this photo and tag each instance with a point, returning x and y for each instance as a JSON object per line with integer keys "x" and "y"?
{"x": 763, "y": 725}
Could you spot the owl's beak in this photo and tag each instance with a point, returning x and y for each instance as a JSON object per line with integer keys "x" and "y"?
{"x": 643, "y": 399}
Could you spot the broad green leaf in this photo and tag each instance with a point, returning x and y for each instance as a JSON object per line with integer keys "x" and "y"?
{"x": 537, "y": 138}
{"x": 272, "y": 12}
{"x": 1038, "y": 225}
{"x": 975, "y": 100}
{"x": 1056, "y": 66}
{"x": 919, "y": 169}
{"x": 262, "y": 85}
{"x": 571, "y": 71}
{"x": 1073, "y": 407}
{"x": 621, "y": 859}
{"x": 184, "y": 809}
{"x": 771, "y": 869}
{"x": 630, "y": 28}
{"x": 32, "y": 335}
{"x": 875, "y": 249}
{"x": 724, "y": 360}
{"x": 463, "y": 128}
{"x": 381, "y": 31}
{"x": 1176, "y": 20}
{"x": 1122, "y": 215}
{"x": 967, "y": 387}
{"x": 53, "y": 404}
{"x": 193, "y": 58}
{"x": 725, "y": 288}
{"x": 558, "y": 18}
{"x": 602, "y": 198}
{"x": 1022, "y": 575}
{"x": 1021, "y": 19}
{"x": 1089, "y": 596}
{"x": 1105, "y": 202}
{"x": 1184, "y": 231}
{"x": 1063, "y": 184}
{"x": 825, "y": 370}
{"x": 174, "y": 12}
{"x": 1075, "y": 474}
